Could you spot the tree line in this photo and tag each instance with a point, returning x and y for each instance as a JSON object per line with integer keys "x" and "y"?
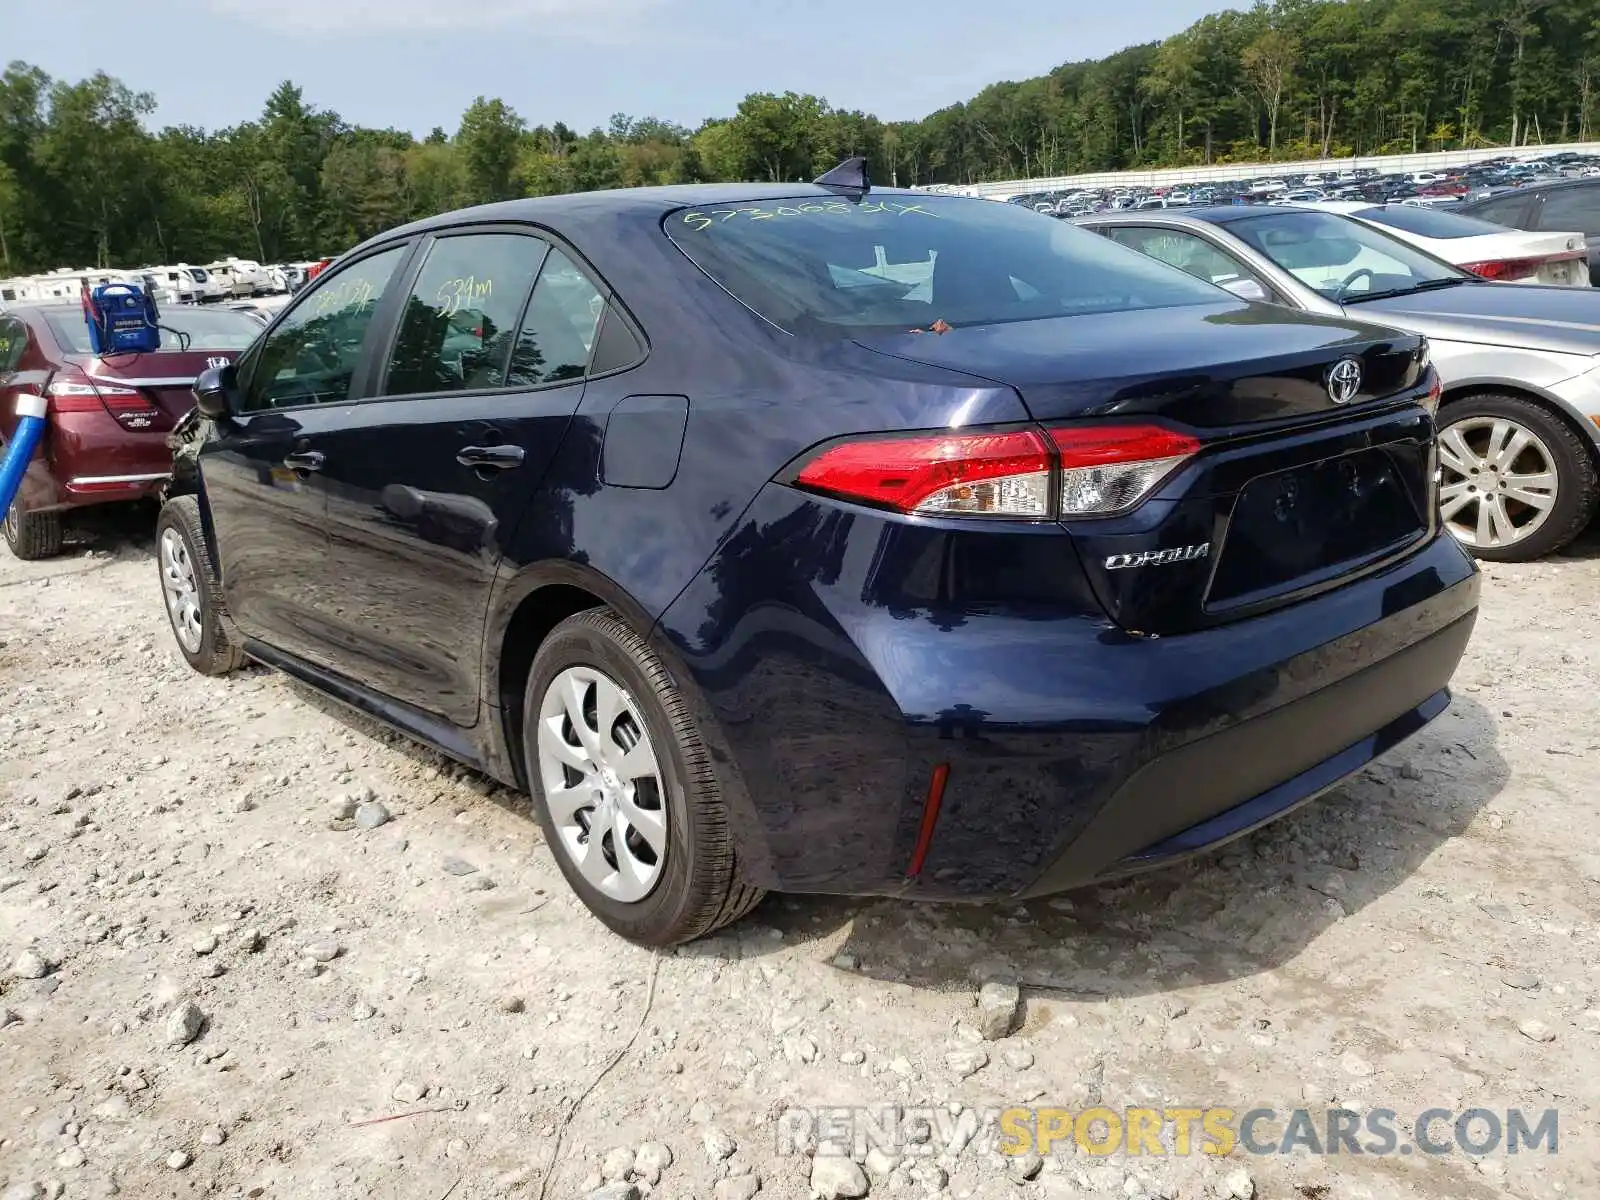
{"x": 84, "y": 181}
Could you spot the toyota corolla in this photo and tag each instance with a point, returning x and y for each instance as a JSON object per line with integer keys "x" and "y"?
{"x": 827, "y": 539}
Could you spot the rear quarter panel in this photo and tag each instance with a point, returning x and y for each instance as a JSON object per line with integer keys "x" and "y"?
{"x": 757, "y": 397}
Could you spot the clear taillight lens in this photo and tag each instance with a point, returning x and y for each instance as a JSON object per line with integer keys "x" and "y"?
{"x": 1108, "y": 469}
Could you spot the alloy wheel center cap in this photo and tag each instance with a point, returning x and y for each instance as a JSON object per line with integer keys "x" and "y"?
{"x": 610, "y": 781}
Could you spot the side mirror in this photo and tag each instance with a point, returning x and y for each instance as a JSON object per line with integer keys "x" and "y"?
{"x": 213, "y": 392}
{"x": 1245, "y": 289}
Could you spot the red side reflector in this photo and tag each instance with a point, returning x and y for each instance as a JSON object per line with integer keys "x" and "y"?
{"x": 930, "y": 818}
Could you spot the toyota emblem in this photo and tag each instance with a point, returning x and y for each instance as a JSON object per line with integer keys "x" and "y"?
{"x": 1344, "y": 380}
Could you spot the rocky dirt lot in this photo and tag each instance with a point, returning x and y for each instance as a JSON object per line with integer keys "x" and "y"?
{"x": 255, "y": 946}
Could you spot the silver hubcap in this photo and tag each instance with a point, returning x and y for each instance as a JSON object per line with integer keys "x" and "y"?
{"x": 602, "y": 783}
{"x": 183, "y": 595}
{"x": 1498, "y": 481}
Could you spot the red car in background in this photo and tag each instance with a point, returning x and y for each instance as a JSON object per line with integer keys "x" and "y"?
{"x": 108, "y": 417}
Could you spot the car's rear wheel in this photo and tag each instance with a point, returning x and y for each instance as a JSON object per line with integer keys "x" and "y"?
{"x": 624, "y": 788}
{"x": 32, "y": 534}
{"x": 1516, "y": 482}
{"x": 190, "y": 588}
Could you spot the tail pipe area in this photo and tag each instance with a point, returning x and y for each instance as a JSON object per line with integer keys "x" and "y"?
{"x": 30, "y": 428}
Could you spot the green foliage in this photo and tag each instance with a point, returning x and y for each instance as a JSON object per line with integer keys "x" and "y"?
{"x": 1285, "y": 79}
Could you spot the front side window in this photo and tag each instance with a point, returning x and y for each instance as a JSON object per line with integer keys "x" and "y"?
{"x": 461, "y": 316}
{"x": 311, "y": 357}
{"x": 557, "y": 334}
{"x": 1344, "y": 260}
{"x": 829, "y": 267}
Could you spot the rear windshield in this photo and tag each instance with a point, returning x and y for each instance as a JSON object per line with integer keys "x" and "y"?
{"x": 1427, "y": 222}
{"x": 204, "y": 328}
{"x": 908, "y": 261}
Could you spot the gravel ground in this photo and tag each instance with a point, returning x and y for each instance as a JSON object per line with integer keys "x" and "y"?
{"x": 253, "y": 945}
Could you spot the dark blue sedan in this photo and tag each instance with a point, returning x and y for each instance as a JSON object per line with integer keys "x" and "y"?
{"x": 827, "y": 539}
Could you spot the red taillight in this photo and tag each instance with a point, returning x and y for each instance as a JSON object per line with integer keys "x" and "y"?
{"x": 71, "y": 390}
{"x": 997, "y": 474}
{"x": 1108, "y": 469}
{"x": 1512, "y": 270}
{"x": 1096, "y": 470}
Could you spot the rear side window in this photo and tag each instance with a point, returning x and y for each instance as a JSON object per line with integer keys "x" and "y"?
{"x": 558, "y": 332}
{"x": 461, "y": 316}
{"x": 1572, "y": 210}
{"x": 617, "y": 346}
{"x": 910, "y": 261}
{"x": 1428, "y": 222}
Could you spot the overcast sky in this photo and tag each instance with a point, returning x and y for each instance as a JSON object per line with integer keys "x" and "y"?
{"x": 414, "y": 64}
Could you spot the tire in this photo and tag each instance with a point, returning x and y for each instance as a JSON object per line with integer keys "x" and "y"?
{"x": 689, "y": 884}
{"x": 32, "y": 535}
{"x": 1469, "y": 431}
{"x": 190, "y": 590}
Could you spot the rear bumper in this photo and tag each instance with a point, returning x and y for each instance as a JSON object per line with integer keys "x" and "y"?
{"x": 1210, "y": 791}
{"x": 832, "y": 690}
{"x": 87, "y": 458}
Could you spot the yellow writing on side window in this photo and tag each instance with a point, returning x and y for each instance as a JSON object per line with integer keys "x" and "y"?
{"x": 348, "y": 293}
{"x": 455, "y": 294}
{"x": 716, "y": 216}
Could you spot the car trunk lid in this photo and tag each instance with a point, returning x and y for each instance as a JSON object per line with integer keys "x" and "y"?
{"x": 1302, "y": 482}
{"x": 149, "y": 392}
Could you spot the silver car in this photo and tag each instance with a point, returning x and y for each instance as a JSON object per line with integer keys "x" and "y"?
{"x": 1519, "y": 424}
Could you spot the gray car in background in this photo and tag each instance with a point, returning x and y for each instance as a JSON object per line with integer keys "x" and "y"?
{"x": 1519, "y": 423}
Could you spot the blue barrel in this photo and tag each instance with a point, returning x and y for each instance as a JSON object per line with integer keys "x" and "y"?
{"x": 30, "y": 428}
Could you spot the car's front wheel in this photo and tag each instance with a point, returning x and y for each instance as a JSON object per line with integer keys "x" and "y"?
{"x": 191, "y": 591}
{"x": 624, "y": 788}
{"x": 1516, "y": 482}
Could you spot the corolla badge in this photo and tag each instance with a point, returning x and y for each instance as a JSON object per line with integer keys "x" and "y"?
{"x": 1344, "y": 380}
{"x": 1158, "y": 558}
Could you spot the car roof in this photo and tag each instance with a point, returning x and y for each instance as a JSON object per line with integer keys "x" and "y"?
{"x": 1560, "y": 185}
{"x": 1215, "y": 214}
{"x": 644, "y": 204}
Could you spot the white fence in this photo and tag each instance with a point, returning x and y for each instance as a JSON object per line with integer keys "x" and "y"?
{"x": 1179, "y": 175}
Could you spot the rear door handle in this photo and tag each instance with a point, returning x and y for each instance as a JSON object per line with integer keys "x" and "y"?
{"x": 305, "y": 460}
{"x": 500, "y": 458}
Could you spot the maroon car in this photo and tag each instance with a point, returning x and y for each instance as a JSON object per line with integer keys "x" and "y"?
{"x": 109, "y": 415}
